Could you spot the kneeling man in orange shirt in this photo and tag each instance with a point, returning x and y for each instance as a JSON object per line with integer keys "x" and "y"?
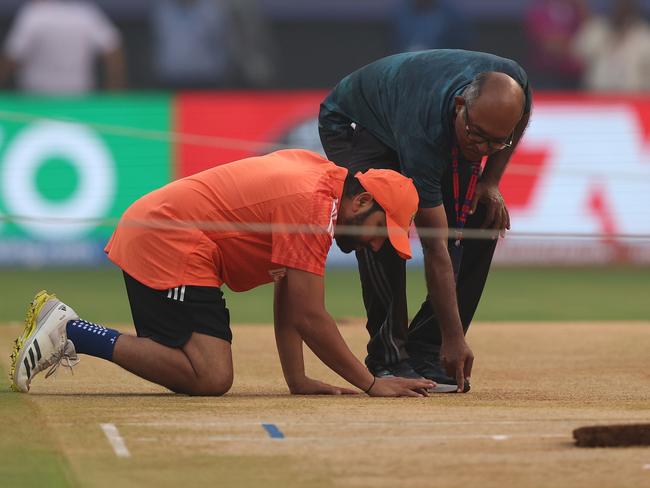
{"x": 243, "y": 224}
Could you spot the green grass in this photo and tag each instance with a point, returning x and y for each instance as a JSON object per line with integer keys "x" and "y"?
{"x": 514, "y": 294}
{"x": 28, "y": 455}
{"x": 562, "y": 294}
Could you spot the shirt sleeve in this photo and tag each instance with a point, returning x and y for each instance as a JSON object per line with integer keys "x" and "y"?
{"x": 21, "y": 35}
{"x": 103, "y": 33}
{"x": 302, "y": 232}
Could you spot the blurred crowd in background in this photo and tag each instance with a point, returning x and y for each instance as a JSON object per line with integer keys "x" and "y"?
{"x": 73, "y": 47}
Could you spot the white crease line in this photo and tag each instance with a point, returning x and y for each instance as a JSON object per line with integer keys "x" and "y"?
{"x": 116, "y": 441}
{"x": 233, "y": 438}
{"x": 499, "y": 437}
{"x": 345, "y": 425}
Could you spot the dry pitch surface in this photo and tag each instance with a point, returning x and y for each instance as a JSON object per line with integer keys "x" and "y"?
{"x": 532, "y": 384}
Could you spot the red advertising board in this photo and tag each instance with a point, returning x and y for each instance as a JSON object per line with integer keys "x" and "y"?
{"x": 581, "y": 168}
{"x": 235, "y": 125}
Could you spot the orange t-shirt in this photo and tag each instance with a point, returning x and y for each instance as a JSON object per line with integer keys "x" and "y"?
{"x": 225, "y": 224}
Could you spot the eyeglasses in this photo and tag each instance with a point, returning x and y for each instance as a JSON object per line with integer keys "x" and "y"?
{"x": 479, "y": 139}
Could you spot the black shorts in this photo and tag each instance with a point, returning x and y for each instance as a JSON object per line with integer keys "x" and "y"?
{"x": 170, "y": 316}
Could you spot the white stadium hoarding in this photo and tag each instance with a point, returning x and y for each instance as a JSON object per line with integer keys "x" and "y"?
{"x": 576, "y": 188}
{"x": 593, "y": 179}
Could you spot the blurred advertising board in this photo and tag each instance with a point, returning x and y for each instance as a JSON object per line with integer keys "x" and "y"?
{"x": 582, "y": 170}
{"x": 575, "y": 188}
{"x": 63, "y": 184}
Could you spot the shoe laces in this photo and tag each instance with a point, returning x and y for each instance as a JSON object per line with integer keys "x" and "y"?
{"x": 66, "y": 357}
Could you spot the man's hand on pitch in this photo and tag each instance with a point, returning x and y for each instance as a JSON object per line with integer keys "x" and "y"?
{"x": 497, "y": 216}
{"x": 396, "y": 387}
{"x": 457, "y": 359}
{"x": 309, "y": 386}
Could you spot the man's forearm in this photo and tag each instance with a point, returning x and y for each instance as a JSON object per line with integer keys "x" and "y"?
{"x": 303, "y": 304}
{"x": 442, "y": 291}
{"x": 288, "y": 341}
{"x": 289, "y": 345}
{"x": 322, "y": 336}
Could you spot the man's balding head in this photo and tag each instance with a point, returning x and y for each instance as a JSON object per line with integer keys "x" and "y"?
{"x": 497, "y": 89}
{"x": 491, "y": 106}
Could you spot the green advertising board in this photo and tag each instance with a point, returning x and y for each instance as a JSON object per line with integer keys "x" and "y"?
{"x": 70, "y": 167}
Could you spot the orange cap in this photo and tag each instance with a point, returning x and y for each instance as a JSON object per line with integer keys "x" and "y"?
{"x": 396, "y": 194}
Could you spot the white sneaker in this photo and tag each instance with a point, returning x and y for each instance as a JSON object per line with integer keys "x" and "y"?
{"x": 44, "y": 342}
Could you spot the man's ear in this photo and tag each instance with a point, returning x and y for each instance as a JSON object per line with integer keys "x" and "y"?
{"x": 363, "y": 201}
{"x": 459, "y": 103}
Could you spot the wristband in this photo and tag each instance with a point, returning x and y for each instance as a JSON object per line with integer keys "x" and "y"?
{"x": 374, "y": 378}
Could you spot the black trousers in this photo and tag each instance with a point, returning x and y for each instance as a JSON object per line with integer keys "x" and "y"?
{"x": 383, "y": 274}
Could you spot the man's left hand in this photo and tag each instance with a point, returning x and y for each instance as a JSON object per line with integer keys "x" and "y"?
{"x": 457, "y": 358}
{"x": 497, "y": 216}
{"x": 309, "y": 386}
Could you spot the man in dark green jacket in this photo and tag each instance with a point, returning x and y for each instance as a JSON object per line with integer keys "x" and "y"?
{"x": 432, "y": 115}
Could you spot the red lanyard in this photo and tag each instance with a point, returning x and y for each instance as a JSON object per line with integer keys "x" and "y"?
{"x": 462, "y": 212}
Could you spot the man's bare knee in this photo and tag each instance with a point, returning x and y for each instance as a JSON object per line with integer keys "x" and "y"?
{"x": 211, "y": 372}
{"x": 211, "y": 386}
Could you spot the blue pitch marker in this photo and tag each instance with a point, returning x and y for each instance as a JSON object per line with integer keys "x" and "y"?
{"x": 273, "y": 431}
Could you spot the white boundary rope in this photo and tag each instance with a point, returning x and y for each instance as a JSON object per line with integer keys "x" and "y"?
{"x": 351, "y": 230}
{"x": 152, "y": 135}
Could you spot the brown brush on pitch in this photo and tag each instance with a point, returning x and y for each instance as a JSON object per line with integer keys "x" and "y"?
{"x": 613, "y": 435}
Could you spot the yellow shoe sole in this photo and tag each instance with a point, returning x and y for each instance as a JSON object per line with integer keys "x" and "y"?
{"x": 40, "y": 299}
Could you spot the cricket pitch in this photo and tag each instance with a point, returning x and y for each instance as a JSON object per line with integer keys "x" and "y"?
{"x": 532, "y": 385}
